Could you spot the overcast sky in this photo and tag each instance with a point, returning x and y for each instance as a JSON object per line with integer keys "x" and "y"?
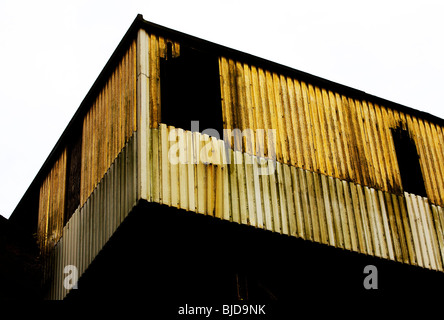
{"x": 52, "y": 51}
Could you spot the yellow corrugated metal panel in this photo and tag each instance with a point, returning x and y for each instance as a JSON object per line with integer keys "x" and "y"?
{"x": 109, "y": 123}
{"x": 93, "y": 224}
{"x": 292, "y": 201}
{"x": 107, "y": 126}
{"x": 52, "y": 206}
{"x": 336, "y": 179}
{"x": 325, "y": 132}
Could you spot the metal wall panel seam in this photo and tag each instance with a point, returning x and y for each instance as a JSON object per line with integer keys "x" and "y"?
{"x": 428, "y": 241}
{"x": 249, "y": 189}
{"x": 52, "y": 294}
{"x": 99, "y": 229}
{"x": 299, "y": 230}
{"x": 174, "y": 170}
{"x": 306, "y": 211}
{"x": 371, "y": 221}
{"x": 421, "y": 231}
{"x": 433, "y": 234}
{"x": 95, "y": 222}
{"x": 68, "y": 249}
{"x": 365, "y": 220}
{"x": 275, "y": 209}
{"x": 90, "y": 231}
{"x": 281, "y": 198}
{"x": 232, "y": 173}
{"x": 291, "y": 212}
{"x": 409, "y": 230}
{"x": 338, "y": 223}
{"x": 164, "y": 176}
{"x": 386, "y": 231}
{"x": 183, "y": 170}
{"x": 349, "y": 209}
{"x": 257, "y": 193}
{"x": 64, "y": 263}
{"x": 122, "y": 187}
{"x": 93, "y": 229}
{"x": 134, "y": 177}
{"x": 403, "y": 234}
{"x": 117, "y": 200}
{"x": 395, "y": 236}
{"x": 312, "y": 206}
{"x": 106, "y": 207}
{"x": 219, "y": 179}
{"x": 191, "y": 169}
{"x": 415, "y": 233}
{"x": 354, "y": 201}
{"x": 379, "y": 223}
{"x": 321, "y": 210}
{"x": 156, "y": 167}
{"x": 201, "y": 174}
{"x": 128, "y": 152}
{"x": 333, "y": 229}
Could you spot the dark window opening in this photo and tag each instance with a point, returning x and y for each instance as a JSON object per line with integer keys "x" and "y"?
{"x": 408, "y": 162}
{"x": 190, "y": 90}
{"x": 73, "y": 174}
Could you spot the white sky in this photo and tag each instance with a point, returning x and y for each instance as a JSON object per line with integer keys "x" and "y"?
{"x": 52, "y": 51}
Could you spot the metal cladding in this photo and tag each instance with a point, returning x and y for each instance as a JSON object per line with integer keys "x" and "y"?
{"x": 92, "y": 224}
{"x": 292, "y": 201}
{"x": 326, "y": 132}
{"x": 326, "y": 171}
{"x": 109, "y": 123}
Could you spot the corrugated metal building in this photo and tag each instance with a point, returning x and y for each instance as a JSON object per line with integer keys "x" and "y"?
{"x": 328, "y": 169}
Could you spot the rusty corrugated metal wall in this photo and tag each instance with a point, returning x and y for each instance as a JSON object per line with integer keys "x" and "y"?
{"x": 109, "y": 123}
{"x": 325, "y": 132}
{"x": 335, "y": 179}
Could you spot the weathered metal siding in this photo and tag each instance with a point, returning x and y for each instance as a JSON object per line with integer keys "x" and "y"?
{"x": 107, "y": 126}
{"x": 292, "y": 201}
{"x": 52, "y": 206}
{"x": 109, "y": 123}
{"x": 323, "y": 131}
{"x": 336, "y": 181}
{"x": 92, "y": 224}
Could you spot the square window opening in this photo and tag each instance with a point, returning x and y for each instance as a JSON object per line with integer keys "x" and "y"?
{"x": 190, "y": 90}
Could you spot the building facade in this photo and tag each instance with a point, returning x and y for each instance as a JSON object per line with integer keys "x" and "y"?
{"x": 177, "y": 121}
